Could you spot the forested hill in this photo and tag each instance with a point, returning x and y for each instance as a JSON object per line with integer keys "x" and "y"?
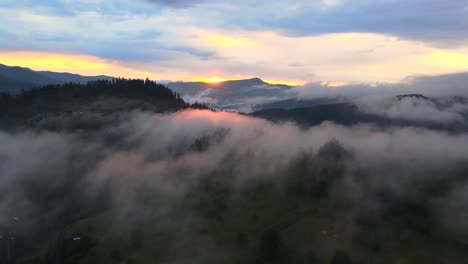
{"x": 85, "y": 106}
{"x": 349, "y": 114}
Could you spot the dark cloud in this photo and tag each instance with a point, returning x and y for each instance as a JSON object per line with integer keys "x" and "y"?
{"x": 439, "y": 22}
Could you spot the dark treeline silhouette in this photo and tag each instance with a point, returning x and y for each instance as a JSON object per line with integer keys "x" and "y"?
{"x": 52, "y": 105}
{"x": 129, "y": 88}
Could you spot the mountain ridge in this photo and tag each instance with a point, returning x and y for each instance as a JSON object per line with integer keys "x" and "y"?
{"x": 234, "y": 95}
{"x": 13, "y": 79}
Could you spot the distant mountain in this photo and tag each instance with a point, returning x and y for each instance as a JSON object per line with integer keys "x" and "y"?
{"x": 70, "y": 77}
{"x": 14, "y": 79}
{"x": 419, "y": 112}
{"x": 238, "y": 95}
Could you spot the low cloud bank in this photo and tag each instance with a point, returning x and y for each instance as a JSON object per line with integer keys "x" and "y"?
{"x": 432, "y": 86}
{"x": 443, "y": 98}
{"x": 166, "y": 155}
{"x": 414, "y": 109}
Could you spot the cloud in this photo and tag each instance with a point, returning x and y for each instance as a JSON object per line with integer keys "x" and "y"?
{"x": 442, "y": 100}
{"x": 138, "y": 170}
{"x": 413, "y": 109}
{"x": 293, "y": 41}
{"x": 33, "y": 166}
{"x": 176, "y": 3}
{"x": 202, "y": 97}
{"x": 445, "y": 85}
{"x": 398, "y": 18}
{"x": 122, "y": 37}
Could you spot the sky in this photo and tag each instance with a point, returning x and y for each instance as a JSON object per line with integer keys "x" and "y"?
{"x": 293, "y": 42}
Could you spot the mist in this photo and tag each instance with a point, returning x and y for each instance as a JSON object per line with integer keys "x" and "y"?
{"x": 167, "y": 155}
{"x": 433, "y": 86}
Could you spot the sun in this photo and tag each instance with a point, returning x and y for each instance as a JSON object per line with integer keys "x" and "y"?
{"x": 215, "y": 80}
{"x": 212, "y": 80}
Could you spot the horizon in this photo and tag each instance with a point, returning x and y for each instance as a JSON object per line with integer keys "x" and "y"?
{"x": 216, "y": 80}
{"x": 206, "y": 80}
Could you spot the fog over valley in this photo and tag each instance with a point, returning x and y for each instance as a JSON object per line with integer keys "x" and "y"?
{"x": 116, "y": 164}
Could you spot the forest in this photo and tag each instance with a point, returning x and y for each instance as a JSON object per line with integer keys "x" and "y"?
{"x": 125, "y": 171}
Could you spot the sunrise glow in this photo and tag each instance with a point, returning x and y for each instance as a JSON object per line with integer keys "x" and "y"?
{"x": 449, "y": 59}
{"x": 286, "y": 82}
{"x": 73, "y": 63}
{"x": 215, "y": 80}
{"x": 211, "y": 80}
{"x": 54, "y": 61}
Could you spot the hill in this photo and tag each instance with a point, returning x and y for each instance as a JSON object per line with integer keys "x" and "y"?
{"x": 91, "y": 175}
{"x": 15, "y": 79}
{"x": 236, "y": 95}
{"x": 75, "y": 106}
